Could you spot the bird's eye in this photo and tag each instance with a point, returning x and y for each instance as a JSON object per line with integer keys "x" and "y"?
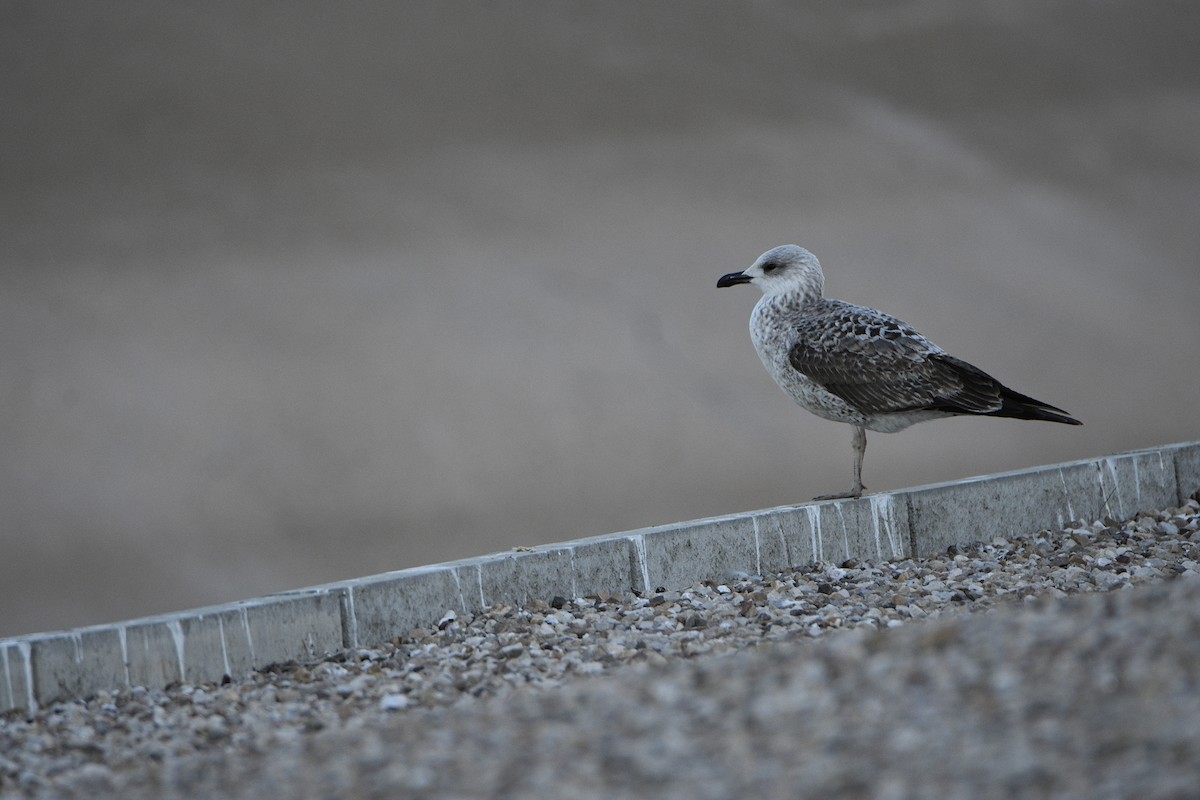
{"x": 770, "y": 267}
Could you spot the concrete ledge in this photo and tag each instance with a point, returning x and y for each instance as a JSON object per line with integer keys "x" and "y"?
{"x": 1001, "y": 505}
{"x": 205, "y": 645}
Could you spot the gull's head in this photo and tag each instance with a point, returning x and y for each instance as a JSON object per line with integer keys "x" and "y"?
{"x": 782, "y": 270}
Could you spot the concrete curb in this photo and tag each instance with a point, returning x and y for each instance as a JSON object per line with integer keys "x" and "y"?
{"x": 204, "y": 645}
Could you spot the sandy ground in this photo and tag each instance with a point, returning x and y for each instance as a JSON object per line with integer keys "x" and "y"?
{"x": 298, "y": 292}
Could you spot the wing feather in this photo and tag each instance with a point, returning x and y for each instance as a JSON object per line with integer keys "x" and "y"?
{"x": 880, "y": 365}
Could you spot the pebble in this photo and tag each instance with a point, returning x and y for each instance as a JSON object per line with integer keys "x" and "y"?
{"x": 90, "y": 747}
{"x": 393, "y": 702}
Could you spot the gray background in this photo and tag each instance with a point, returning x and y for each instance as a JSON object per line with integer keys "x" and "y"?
{"x": 301, "y": 291}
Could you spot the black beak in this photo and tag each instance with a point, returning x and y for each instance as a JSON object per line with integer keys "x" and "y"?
{"x": 733, "y": 279}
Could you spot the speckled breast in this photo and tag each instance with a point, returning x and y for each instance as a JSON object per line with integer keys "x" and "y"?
{"x": 773, "y": 336}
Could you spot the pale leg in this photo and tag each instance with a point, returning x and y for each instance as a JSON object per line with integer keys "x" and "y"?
{"x": 860, "y": 450}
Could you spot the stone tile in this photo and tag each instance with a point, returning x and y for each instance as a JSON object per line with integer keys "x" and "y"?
{"x": 16, "y": 676}
{"x": 75, "y": 664}
{"x": 1187, "y": 469}
{"x": 1133, "y": 482}
{"x": 718, "y": 549}
{"x": 608, "y": 564}
{"x": 216, "y": 643}
{"x": 301, "y": 625}
{"x": 390, "y": 605}
{"x": 1001, "y": 505}
{"x": 154, "y": 651}
{"x": 521, "y": 577}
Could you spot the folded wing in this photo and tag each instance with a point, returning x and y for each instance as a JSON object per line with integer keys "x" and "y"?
{"x": 880, "y": 365}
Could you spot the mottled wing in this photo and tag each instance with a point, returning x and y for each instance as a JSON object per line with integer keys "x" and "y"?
{"x": 880, "y": 365}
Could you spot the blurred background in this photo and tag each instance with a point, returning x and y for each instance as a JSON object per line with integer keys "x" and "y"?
{"x": 296, "y": 292}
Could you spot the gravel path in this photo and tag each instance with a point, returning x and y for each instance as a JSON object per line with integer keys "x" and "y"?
{"x": 779, "y": 687}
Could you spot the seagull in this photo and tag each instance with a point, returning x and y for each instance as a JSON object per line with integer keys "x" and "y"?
{"x": 860, "y": 366}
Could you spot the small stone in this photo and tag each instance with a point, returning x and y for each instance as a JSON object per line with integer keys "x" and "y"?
{"x": 93, "y": 779}
{"x": 393, "y": 702}
{"x": 511, "y": 651}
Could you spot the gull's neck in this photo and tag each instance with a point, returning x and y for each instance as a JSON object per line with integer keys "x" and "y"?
{"x": 794, "y": 295}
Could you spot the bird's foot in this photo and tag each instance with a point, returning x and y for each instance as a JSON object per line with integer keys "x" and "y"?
{"x": 850, "y": 495}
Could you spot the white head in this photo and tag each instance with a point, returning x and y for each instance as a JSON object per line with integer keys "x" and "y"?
{"x": 782, "y": 270}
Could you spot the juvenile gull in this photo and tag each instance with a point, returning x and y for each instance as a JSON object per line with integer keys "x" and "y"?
{"x": 857, "y": 365}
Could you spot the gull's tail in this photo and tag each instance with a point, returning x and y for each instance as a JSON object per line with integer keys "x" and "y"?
{"x": 1019, "y": 406}
{"x": 978, "y": 393}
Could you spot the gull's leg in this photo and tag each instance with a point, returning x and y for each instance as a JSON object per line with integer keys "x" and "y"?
{"x": 860, "y": 450}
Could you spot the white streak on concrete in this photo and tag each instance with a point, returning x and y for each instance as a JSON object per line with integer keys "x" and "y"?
{"x": 11, "y": 701}
{"x": 224, "y": 647}
{"x": 27, "y": 660}
{"x": 783, "y": 543}
{"x": 1137, "y": 482}
{"x": 177, "y": 634}
{"x": 462, "y": 598}
{"x": 574, "y": 573}
{"x": 479, "y": 580}
{"x": 249, "y": 638}
{"x": 845, "y": 531}
{"x": 883, "y": 509}
{"x": 875, "y": 525}
{"x": 353, "y": 617}
{"x": 1112, "y": 471}
{"x": 1066, "y": 494}
{"x": 757, "y": 548}
{"x": 123, "y": 637}
{"x": 639, "y": 545}
{"x": 814, "y": 530}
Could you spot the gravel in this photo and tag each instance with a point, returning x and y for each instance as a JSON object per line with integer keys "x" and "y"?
{"x": 985, "y": 671}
